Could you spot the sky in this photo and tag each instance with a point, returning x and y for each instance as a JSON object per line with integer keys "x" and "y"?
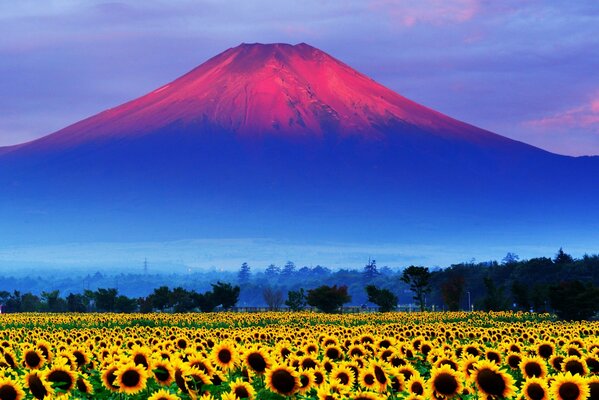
{"x": 525, "y": 69}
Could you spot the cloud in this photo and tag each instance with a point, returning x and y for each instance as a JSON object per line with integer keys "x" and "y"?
{"x": 409, "y": 13}
{"x": 585, "y": 116}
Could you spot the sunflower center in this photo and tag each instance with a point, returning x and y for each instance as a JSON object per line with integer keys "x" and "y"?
{"x": 36, "y": 386}
{"x": 594, "y": 390}
{"x": 318, "y": 378}
{"x": 333, "y": 353}
{"x": 569, "y": 391}
{"x": 224, "y": 356}
{"x": 131, "y": 378}
{"x": 79, "y": 358}
{"x": 380, "y": 375}
{"x": 32, "y": 359}
{"x": 369, "y": 379}
{"x": 446, "y": 384}
{"x": 417, "y": 388}
{"x": 241, "y": 392}
{"x": 257, "y": 362}
{"x": 61, "y": 379}
{"x": 494, "y": 357}
{"x": 533, "y": 369}
{"x": 304, "y": 381}
{"x": 8, "y": 392}
{"x": 283, "y": 381}
{"x": 514, "y": 361}
{"x": 575, "y": 367}
{"x": 343, "y": 378}
{"x": 140, "y": 359}
{"x": 161, "y": 374}
{"x": 545, "y": 351}
{"x": 491, "y": 382}
{"x": 396, "y": 385}
{"x": 308, "y": 363}
{"x": 81, "y": 386}
{"x": 535, "y": 391}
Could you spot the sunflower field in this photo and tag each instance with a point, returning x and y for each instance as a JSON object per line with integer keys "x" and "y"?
{"x": 283, "y": 355}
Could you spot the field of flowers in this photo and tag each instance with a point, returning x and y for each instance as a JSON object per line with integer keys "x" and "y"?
{"x": 297, "y": 356}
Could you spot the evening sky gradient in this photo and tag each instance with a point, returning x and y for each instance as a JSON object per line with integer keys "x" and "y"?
{"x": 528, "y": 70}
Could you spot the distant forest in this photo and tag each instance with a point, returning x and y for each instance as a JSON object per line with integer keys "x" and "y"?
{"x": 509, "y": 284}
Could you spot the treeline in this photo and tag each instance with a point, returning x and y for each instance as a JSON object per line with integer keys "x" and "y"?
{"x": 560, "y": 284}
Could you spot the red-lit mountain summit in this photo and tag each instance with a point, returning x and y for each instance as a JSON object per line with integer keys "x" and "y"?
{"x": 285, "y": 142}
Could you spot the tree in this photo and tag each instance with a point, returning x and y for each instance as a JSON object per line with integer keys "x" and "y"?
{"x": 272, "y": 271}
{"x": 521, "y": 295}
{"x": 370, "y": 271}
{"x": 494, "y": 299}
{"x": 244, "y": 274}
{"x": 562, "y": 258}
{"x": 225, "y": 294}
{"x": 296, "y": 300}
{"x": 452, "y": 290}
{"x": 161, "y": 298}
{"x": 124, "y": 304}
{"x": 76, "y": 303}
{"x": 418, "y": 279}
{"x": 53, "y": 301}
{"x": 574, "y": 300}
{"x": 288, "y": 269}
{"x": 328, "y": 299}
{"x": 383, "y": 298}
{"x": 205, "y": 301}
{"x": 510, "y": 258}
{"x": 273, "y": 298}
{"x": 182, "y": 300}
{"x": 30, "y": 303}
{"x": 105, "y": 299}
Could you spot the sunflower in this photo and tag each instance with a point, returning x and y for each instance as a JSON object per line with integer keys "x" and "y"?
{"x": 109, "y": 378}
{"x": 566, "y": 386}
{"x": 593, "y": 383}
{"x": 575, "y": 365}
{"x": 366, "y": 396}
{"x": 367, "y": 379}
{"x": 282, "y": 380}
{"x": 140, "y": 356}
{"x": 163, "y": 394}
{"x": 319, "y": 377}
{"x": 61, "y": 377}
{"x": 257, "y": 360}
{"x": 164, "y": 373}
{"x": 45, "y": 347}
{"x": 33, "y": 358}
{"x": 10, "y": 390}
{"x": 533, "y": 367}
{"x": 333, "y": 352}
{"x": 81, "y": 358}
{"x": 535, "y": 389}
{"x": 556, "y": 362}
{"x": 327, "y": 392}
{"x": 224, "y": 355}
{"x": 467, "y": 365}
{"x": 195, "y": 379}
{"x": 492, "y": 381}
{"x": 444, "y": 383}
{"x": 306, "y": 380}
{"x": 83, "y": 385}
{"x": 342, "y": 375}
{"x": 131, "y": 378}
{"x": 513, "y": 360}
{"x": 545, "y": 349}
{"x": 38, "y": 385}
{"x": 201, "y": 363}
{"x": 416, "y": 385}
{"x": 242, "y": 390}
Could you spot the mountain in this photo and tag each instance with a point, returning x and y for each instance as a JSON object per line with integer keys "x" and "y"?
{"x": 289, "y": 143}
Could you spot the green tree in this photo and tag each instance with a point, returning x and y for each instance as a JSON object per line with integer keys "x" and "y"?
{"x": 76, "y": 303}
{"x": 452, "y": 290}
{"x": 383, "y": 298}
{"x": 182, "y": 300}
{"x": 494, "y": 299}
{"x": 296, "y": 300}
{"x": 562, "y": 258}
{"x": 574, "y": 300}
{"x": 328, "y": 299}
{"x": 370, "y": 271}
{"x": 244, "y": 273}
{"x": 225, "y": 294}
{"x": 418, "y": 279}
{"x": 105, "y": 299}
{"x": 161, "y": 298}
{"x": 124, "y": 304}
{"x": 521, "y": 295}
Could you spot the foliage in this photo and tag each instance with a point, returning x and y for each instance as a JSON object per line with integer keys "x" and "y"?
{"x": 574, "y": 300}
{"x": 328, "y": 299}
{"x": 418, "y": 279}
{"x": 383, "y": 298}
{"x": 296, "y": 300}
{"x": 273, "y": 298}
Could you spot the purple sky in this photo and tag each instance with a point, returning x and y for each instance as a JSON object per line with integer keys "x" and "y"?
{"x": 525, "y": 69}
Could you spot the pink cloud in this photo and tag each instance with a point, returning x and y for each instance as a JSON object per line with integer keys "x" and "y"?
{"x": 433, "y": 12}
{"x": 585, "y": 116}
